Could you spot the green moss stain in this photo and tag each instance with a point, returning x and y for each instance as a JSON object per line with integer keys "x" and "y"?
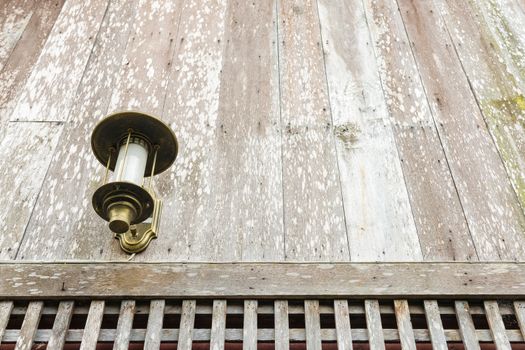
{"x": 348, "y": 133}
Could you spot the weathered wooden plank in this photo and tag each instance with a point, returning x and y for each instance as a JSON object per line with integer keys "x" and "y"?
{"x": 5, "y": 312}
{"x": 187, "y": 321}
{"x": 379, "y": 219}
{"x": 435, "y": 325}
{"x": 312, "y": 324}
{"x": 18, "y": 67}
{"x": 25, "y": 152}
{"x": 249, "y": 330}
{"x": 313, "y": 207}
{"x": 342, "y": 325}
{"x": 218, "y": 325}
{"x": 282, "y": 331}
{"x": 64, "y": 209}
{"x": 14, "y": 17}
{"x": 29, "y": 326}
{"x": 466, "y": 326}
{"x": 51, "y": 88}
{"x": 375, "y": 329}
{"x": 498, "y": 93}
{"x": 124, "y": 325}
{"x": 441, "y": 224}
{"x": 92, "y": 328}
{"x": 519, "y": 309}
{"x": 497, "y": 327}
{"x": 493, "y": 213}
{"x": 61, "y": 325}
{"x": 154, "y": 330}
{"x": 275, "y": 281}
{"x": 404, "y": 325}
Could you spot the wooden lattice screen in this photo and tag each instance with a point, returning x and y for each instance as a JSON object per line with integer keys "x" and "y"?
{"x": 263, "y": 324}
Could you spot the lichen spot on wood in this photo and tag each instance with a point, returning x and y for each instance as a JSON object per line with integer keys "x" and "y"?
{"x": 348, "y": 133}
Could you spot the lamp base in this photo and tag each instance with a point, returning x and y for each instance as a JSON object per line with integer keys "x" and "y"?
{"x": 139, "y": 236}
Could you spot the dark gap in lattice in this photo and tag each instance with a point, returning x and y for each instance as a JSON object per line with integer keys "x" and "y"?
{"x": 109, "y": 321}
{"x": 419, "y": 321}
{"x": 388, "y": 320}
{"x": 235, "y": 320}
{"x": 47, "y": 320}
{"x": 203, "y": 320}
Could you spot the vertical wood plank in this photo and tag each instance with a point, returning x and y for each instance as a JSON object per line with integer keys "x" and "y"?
{"x": 312, "y": 324}
{"x": 376, "y": 339}
{"x": 466, "y": 326}
{"x": 342, "y": 325}
{"x": 313, "y": 207}
{"x": 282, "y": 331}
{"x": 5, "y": 313}
{"x": 29, "y": 326}
{"x": 404, "y": 325}
{"x": 438, "y": 214}
{"x": 92, "y": 327}
{"x": 50, "y": 89}
{"x": 154, "y": 328}
{"x": 379, "y": 218}
{"x": 497, "y": 327}
{"x": 519, "y": 309}
{"x": 61, "y": 325}
{"x": 187, "y": 321}
{"x": 249, "y": 330}
{"x": 218, "y": 325}
{"x": 83, "y": 173}
{"x": 435, "y": 325}
{"x": 14, "y": 17}
{"x": 125, "y": 322}
{"x": 493, "y": 213}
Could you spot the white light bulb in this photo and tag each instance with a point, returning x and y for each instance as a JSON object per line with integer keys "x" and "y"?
{"x": 135, "y": 164}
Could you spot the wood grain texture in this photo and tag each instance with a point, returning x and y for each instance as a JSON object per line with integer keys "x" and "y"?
{"x": 187, "y": 322}
{"x": 435, "y": 325}
{"x": 249, "y": 329}
{"x": 61, "y": 325}
{"x": 379, "y": 219}
{"x": 218, "y": 325}
{"x": 171, "y": 280}
{"x": 488, "y": 200}
{"x": 51, "y": 88}
{"x": 282, "y": 326}
{"x": 14, "y": 17}
{"x": 25, "y": 152}
{"x": 29, "y": 326}
{"x": 74, "y": 170}
{"x": 154, "y": 330}
{"x": 191, "y": 108}
{"x": 92, "y": 328}
{"x": 5, "y": 312}
{"x": 519, "y": 309}
{"x": 375, "y": 329}
{"x": 124, "y": 325}
{"x": 312, "y": 324}
{"x": 404, "y": 325}
{"x": 342, "y": 325}
{"x": 313, "y": 208}
{"x": 466, "y": 326}
{"x": 497, "y": 327}
{"x": 442, "y": 229}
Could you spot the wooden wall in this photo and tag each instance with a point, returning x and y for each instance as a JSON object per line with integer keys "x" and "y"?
{"x": 355, "y": 130}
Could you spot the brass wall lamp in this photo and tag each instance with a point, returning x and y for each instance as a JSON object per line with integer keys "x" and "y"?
{"x": 133, "y": 146}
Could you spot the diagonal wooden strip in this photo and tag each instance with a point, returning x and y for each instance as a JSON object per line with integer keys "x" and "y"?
{"x": 14, "y": 17}
{"x": 342, "y": 325}
{"x": 497, "y": 327}
{"x": 249, "y": 329}
{"x": 435, "y": 325}
{"x": 312, "y": 324}
{"x": 218, "y": 325}
{"x": 373, "y": 322}
{"x": 92, "y": 327}
{"x": 5, "y": 312}
{"x": 61, "y": 325}
{"x": 187, "y": 322}
{"x": 154, "y": 330}
{"x": 466, "y": 326}
{"x": 124, "y": 325}
{"x": 29, "y": 326}
{"x": 404, "y": 325}
{"x": 519, "y": 309}
{"x": 282, "y": 332}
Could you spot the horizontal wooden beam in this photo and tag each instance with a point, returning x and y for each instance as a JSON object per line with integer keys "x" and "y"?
{"x": 261, "y": 280}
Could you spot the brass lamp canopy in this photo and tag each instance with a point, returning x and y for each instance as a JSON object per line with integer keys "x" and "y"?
{"x": 133, "y": 146}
